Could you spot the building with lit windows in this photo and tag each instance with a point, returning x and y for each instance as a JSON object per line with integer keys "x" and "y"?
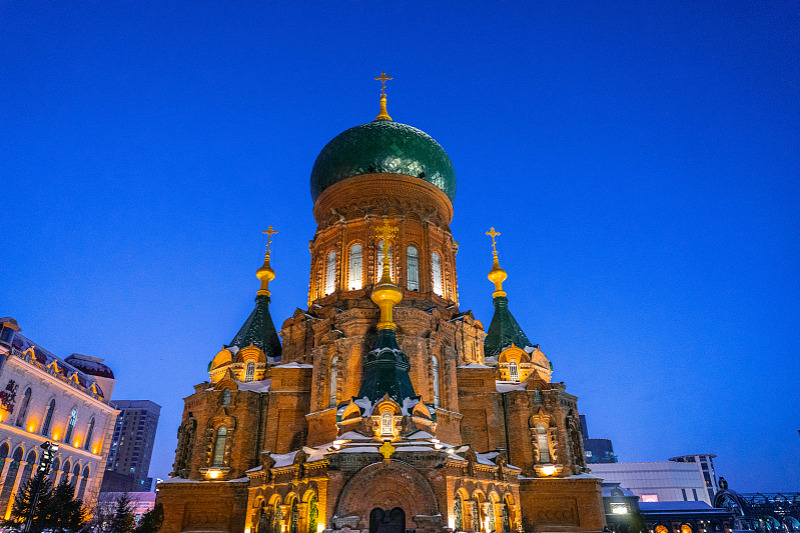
{"x": 132, "y": 446}
{"x": 657, "y": 481}
{"x": 46, "y": 398}
{"x": 386, "y": 407}
{"x": 597, "y": 450}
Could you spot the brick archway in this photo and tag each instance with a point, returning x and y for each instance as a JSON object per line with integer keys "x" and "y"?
{"x": 387, "y": 485}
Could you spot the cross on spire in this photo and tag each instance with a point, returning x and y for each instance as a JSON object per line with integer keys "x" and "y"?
{"x": 385, "y": 232}
{"x": 383, "y": 78}
{"x": 269, "y": 232}
{"x": 492, "y": 233}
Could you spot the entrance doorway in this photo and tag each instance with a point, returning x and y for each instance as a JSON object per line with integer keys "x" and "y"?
{"x": 384, "y": 521}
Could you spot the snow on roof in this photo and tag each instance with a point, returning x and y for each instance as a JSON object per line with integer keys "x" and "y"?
{"x": 255, "y": 386}
{"x": 474, "y": 365}
{"x": 293, "y": 365}
{"x": 505, "y": 386}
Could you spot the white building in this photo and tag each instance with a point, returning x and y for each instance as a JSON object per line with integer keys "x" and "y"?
{"x": 46, "y": 398}
{"x": 657, "y": 482}
{"x": 706, "y": 462}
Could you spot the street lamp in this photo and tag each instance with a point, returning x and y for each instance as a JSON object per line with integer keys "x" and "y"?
{"x": 49, "y": 451}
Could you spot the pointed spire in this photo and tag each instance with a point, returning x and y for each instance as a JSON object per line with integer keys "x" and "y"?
{"x": 383, "y": 115}
{"x": 504, "y": 329}
{"x": 386, "y": 294}
{"x": 265, "y": 273}
{"x": 496, "y": 275}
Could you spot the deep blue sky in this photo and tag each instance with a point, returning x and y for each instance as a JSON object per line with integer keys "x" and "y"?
{"x": 641, "y": 160}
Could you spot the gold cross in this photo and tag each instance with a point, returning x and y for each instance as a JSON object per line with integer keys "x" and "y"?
{"x": 386, "y": 231}
{"x": 493, "y": 234}
{"x": 387, "y": 450}
{"x": 270, "y": 232}
{"x": 383, "y": 77}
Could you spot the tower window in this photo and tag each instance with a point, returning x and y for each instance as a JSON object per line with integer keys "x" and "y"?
{"x": 380, "y": 259}
{"x": 412, "y": 268}
{"x": 436, "y": 392}
{"x": 226, "y": 395}
{"x": 89, "y": 432}
{"x": 334, "y": 382}
{"x": 330, "y": 274}
{"x": 356, "y": 268}
{"x": 541, "y": 441}
{"x": 436, "y": 271}
{"x": 387, "y": 424}
{"x": 219, "y": 446}
{"x": 23, "y": 409}
{"x": 48, "y": 418}
{"x": 513, "y": 371}
{"x": 250, "y": 371}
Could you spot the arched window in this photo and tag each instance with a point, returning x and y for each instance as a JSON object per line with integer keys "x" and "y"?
{"x": 513, "y": 371}
{"x": 27, "y": 472}
{"x": 435, "y": 368}
{"x": 356, "y": 270}
{"x": 334, "y": 382}
{"x": 65, "y": 472}
{"x": 330, "y": 274}
{"x": 48, "y": 417}
{"x": 250, "y": 371}
{"x": 458, "y": 513}
{"x": 219, "y": 447}
{"x": 73, "y": 416}
{"x": 11, "y": 475}
{"x": 54, "y": 470}
{"x": 23, "y": 408}
{"x": 313, "y": 514}
{"x": 82, "y": 485}
{"x": 541, "y": 441}
{"x": 387, "y": 424}
{"x": 436, "y": 272}
{"x": 226, "y": 394}
{"x": 89, "y": 435}
{"x": 3, "y": 455}
{"x": 379, "y": 262}
{"x": 412, "y": 268}
{"x": 294, "y": 518}
{"x": 76, "y": 474}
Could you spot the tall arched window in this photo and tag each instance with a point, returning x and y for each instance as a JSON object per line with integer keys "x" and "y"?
{"x": 82, "y": 485}
{"x": 219, "y": 447}
{"x": 73, "y": 416}
{"x": 330, "y": 274}
{"x": 513, "y": 371}
{"x": 458, "y": 513}
{"x": 89, "y": 432}
{"x": 541, "y": 441}
{"x": 412, "y": 268}
{"x": 250, "y": 371}
{"x": 436, "y": 272}
{"x": 48, "y": 417}
{"x": 435, "y": 368}
{"x": 356, "y": 270}
{"x": 54, "y": 470}
{"x": 11, "y": 475}
{"x": 313, "y": 514}
{"x": 334, "y": 382}
{"x": 379, "y": 262}
{"x": 226, "y": 395}
{"x": 3, "y": 454}
{"x": 23, "y": 408}
{"x": 27, "y": 472}
{"x": 76, "y": 473}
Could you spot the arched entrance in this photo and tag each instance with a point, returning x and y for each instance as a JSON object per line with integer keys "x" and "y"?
{"x": 385, "y": 521}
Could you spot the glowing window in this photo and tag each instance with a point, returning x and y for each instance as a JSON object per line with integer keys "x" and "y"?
{"x": 686, "y": 528}
{"x": 412, "y": 268}
{"x": 662, "y": 529}
{"x": 250, "y": 371}
{"x": 356, "y": 267}
{"x": 436, "y": 271}
{"x": 544, "y": 447}
{"x": 330, "y": 274}
{"x": 387, "y": 424}
{"x": 513, "y": 371}
{"x": 219, "y": 446}
{"x": 380, "y": 260}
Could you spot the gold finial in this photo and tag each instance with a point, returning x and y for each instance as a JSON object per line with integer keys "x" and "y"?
{"x": 383, "y": 115}
{"x": 496, "y": 275}
{"x": 386, "y": 294}
{"x": 387, "y": 450}
{"x": 265, "y": 273}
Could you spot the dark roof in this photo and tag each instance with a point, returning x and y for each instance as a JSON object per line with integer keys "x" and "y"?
{"x": 383, "y": 146}
{"x": 386, "y": 371}
{"x": 259, "y": 330}
{"x": 504, "y": 330}
{"x": 89, "y": 365}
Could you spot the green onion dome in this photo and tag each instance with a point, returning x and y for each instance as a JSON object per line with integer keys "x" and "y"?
{"x": 383, "y": 146}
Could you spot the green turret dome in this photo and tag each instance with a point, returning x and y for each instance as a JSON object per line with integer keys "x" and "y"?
{"x": 383, "y": 146}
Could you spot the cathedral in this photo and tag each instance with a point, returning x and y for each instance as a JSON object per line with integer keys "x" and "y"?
{"x": 381, "y": 407}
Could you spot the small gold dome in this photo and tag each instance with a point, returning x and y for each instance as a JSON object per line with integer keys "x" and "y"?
{"x": 265, "y": 274}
